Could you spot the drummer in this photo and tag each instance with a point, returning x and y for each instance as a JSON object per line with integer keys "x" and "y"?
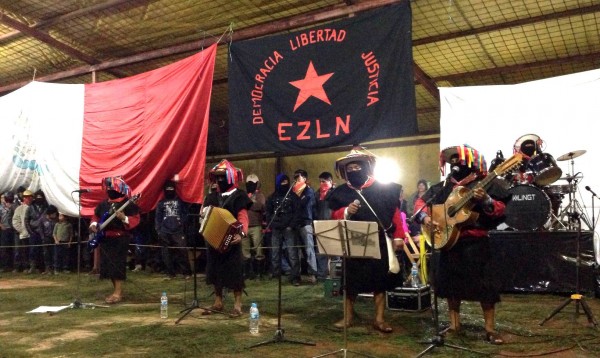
{"x": 529, "y": 145}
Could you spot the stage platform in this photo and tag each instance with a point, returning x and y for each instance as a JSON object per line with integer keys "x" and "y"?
{"x": 544, "y": 261}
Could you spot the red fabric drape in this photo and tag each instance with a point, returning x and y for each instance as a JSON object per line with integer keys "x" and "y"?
{"x": 147, "y": 128}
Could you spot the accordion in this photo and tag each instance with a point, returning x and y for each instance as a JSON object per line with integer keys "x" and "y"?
{"x": 218, "y": 227}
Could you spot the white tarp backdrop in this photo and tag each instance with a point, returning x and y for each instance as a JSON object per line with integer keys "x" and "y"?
{"x": 40, "y": 141}
{"x": 563, "y": 111}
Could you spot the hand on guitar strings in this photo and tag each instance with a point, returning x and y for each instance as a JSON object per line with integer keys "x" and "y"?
{"x": 479, "y": 195}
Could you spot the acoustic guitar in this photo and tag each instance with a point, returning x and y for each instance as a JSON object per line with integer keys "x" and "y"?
{"x": 105, "y": 220}
{"x": 456, "y": 213}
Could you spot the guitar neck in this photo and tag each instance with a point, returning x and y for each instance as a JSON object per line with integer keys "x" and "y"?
{"x": 485, "y": 183}
{"x": 114, "y": 215}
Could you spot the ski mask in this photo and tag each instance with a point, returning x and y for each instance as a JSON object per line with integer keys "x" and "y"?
{"x": 282, "y": 188}
{"x": 251, "y": 187}
{"x": 463, "y": 171}
{"x": 170, "y": 193}
{"x": 113, "y": 195}
{"x": 357, "y": 178}
{"x": 223, "y": 184}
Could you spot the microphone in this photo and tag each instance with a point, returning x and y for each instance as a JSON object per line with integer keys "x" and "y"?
{"x": 82, "y": 191}
{"x": 454, "y": 169}
{"x": 590, "y": 190}
{"x": 357, "y": 202}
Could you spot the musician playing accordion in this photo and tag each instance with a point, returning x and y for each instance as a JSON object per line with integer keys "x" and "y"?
{"x": 463, "y": 271}
{"x": 225, "y": 269}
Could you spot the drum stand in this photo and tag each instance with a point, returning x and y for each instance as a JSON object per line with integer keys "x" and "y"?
{"x": 576, "y": 297}
{"x": 573, "y": 209}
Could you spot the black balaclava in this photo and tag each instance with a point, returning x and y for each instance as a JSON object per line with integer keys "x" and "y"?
{"x": 113, "y": 194}
{"x": 169, "y": 190}
{"x": 357, "y": 177}
{"x": 282, "y": 188}
{"x": 223, "y": 184}
{"x": 170, "y": 193}
{"x": 251, "y": 187}
{"x": 463, "y": 169}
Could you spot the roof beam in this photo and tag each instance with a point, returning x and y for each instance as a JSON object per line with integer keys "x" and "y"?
{"x": 520, "y": 67}
{"x": 426, "y": 82}
{"x": 51, "y": 41}
{"x": 247, "y": 33}
{"x": 508, "y": 24}
{"x": 73, "y": 15}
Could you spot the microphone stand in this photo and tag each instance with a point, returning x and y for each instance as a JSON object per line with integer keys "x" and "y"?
{"x": 77, "y": 301}
{"x": 279, "y": 333}
{"x": 438, "y": 339}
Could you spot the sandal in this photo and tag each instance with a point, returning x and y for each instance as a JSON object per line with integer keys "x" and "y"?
{"x": 235, "y": 313}
{"x": 494, "y": 338}
{"x": 340, "y": 324}
{"x": 111, "y": 300}
{"x": 209, "y": 310}
{"x": 382, "y": 327}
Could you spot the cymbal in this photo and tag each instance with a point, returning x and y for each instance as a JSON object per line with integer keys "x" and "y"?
{"x": 571, "y": 155}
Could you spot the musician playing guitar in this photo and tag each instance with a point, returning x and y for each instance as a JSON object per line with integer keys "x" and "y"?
{"x": 225, "y": 269}
{"x": 462, "y": 271}
{"x": 116, "y": 234}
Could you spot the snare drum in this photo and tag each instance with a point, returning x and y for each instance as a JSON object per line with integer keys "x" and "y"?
{"x": 545, "y": 169}
{"x": 528, "y": 208}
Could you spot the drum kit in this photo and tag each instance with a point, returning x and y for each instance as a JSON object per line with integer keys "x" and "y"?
{"x": 536, "y": 202}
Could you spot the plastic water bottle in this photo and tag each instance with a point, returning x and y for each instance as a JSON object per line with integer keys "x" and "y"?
{"x": 415, "y": 282}
{"x": 254, "y": 318}
{"x": 164, "y": 306}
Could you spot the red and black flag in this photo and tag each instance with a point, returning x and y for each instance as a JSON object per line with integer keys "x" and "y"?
{"x": 345, "y": 82}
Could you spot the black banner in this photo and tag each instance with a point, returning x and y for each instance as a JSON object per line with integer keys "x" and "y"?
{"x": 341, "y": 83}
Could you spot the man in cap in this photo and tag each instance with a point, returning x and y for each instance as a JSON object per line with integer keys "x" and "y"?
{"x": 22, "y": 235}
{"x": 252, "y": 244}
{"x": 463, "y": 271}
{"x": 169, "y": 220}
{"x": 116, "y": 234}
{"x": 363, "y": 198}
{"x": 224, "y": 269}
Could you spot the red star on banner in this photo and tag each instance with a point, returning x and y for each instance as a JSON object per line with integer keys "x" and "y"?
{"x": 311, "y": 85}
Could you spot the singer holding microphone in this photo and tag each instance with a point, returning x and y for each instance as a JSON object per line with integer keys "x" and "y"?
{"x": 463, "y": 272}
{"x": 363, "y": 198}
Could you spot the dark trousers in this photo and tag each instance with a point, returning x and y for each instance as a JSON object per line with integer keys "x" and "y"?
{"x": 48, "y": 252}
{"x": 61, "y": 256}
{"x": 173, "y": 253}
{"x": 7, "y": 240}
{"x": 21, "y": 253}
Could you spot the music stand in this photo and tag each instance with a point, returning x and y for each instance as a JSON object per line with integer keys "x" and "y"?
{"x": 345, "y": 238}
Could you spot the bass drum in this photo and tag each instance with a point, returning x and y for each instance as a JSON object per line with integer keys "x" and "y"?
{"x": 528, "y": 208}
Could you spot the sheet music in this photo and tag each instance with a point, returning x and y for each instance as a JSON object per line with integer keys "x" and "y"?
{"x": 348, "y": 238}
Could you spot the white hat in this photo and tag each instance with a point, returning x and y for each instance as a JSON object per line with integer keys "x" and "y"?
{"x": 253, "y": 178}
